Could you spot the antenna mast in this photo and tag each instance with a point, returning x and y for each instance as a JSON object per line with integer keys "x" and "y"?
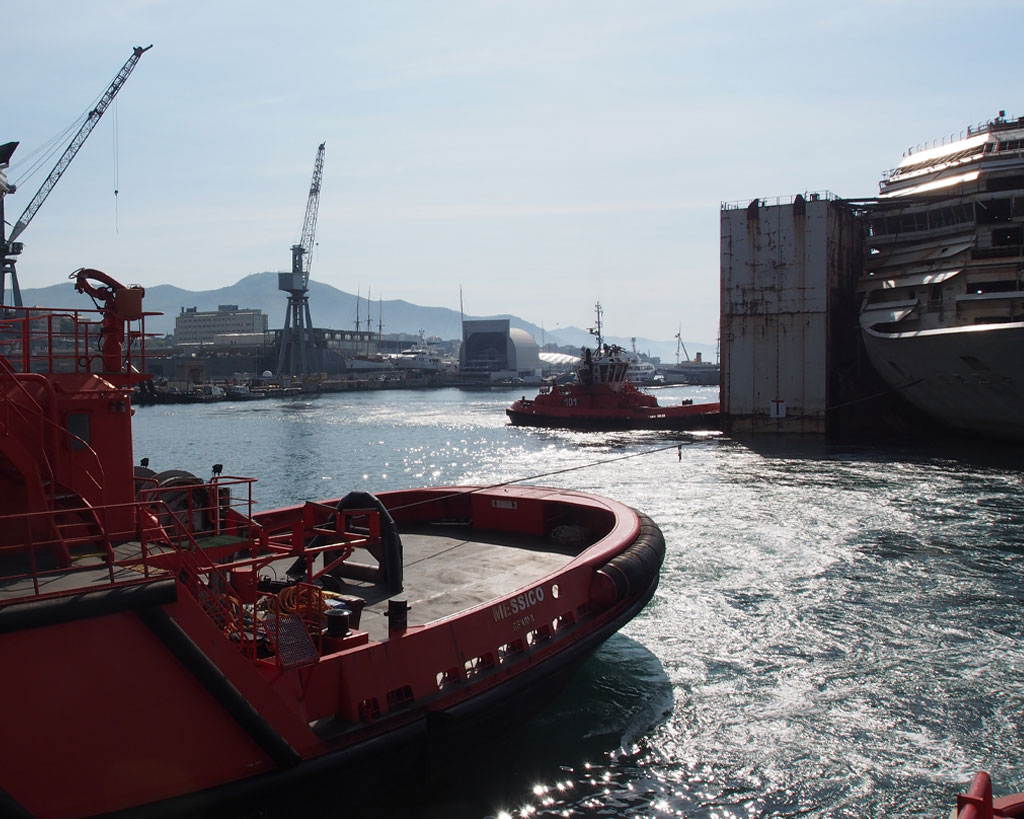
{"x": 596, "y": 331}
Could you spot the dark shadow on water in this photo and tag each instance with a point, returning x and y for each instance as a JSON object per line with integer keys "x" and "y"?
{"x": 629, "y": 439}
{"x": 621, "y": 692}
{"x": 617, "y": 695}
{"x": 981, "y": 453}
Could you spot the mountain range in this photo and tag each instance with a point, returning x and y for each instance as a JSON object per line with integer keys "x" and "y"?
{"x": 336, "y": 309}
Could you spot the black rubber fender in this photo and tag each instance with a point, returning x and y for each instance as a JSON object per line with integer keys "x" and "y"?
{"x": 634, "y": 570}
{"x": 391, "y": 554}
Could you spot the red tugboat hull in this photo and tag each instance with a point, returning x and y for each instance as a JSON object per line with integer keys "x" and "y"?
{"x": 603, "y": 398}
{"x": 171, "y": 650}
{"x": 176, "y": 713}
{"x": 688, "y": 417}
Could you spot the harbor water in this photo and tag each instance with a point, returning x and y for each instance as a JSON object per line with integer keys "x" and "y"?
{"x": 837, "y": 632}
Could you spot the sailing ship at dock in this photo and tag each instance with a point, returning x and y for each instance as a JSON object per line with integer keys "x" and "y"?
{"x": 942, "y": 294}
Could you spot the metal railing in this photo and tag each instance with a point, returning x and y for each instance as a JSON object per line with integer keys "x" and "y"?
{"x": 769, "y": 201}
{"x": 203, "y": 535}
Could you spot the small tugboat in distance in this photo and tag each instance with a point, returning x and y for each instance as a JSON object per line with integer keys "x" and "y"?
{"x": 174, "y": 650}
{"x": 604, "y": 398}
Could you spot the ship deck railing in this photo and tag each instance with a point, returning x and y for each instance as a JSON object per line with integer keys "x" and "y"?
{"x": 46, "y": 340}
{"x": 769, "y": 201}
{"x": 204, "y": 535}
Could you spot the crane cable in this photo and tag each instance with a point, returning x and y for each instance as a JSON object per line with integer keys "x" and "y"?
{"x": 116, "y": 165}
{"x": 41, "y": 157}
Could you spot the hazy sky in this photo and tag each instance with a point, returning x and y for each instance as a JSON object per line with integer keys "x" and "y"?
{"x": 541, "y": 155}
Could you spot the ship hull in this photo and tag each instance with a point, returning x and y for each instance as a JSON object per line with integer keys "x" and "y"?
{"x": 700, "y": 375}
{"x": 966, "y": 378}
{"x": 199, "y": 728}
{"x": 704, "y": 417}
{"x": 414, "y": 750}
{"x": 941, "y": 315}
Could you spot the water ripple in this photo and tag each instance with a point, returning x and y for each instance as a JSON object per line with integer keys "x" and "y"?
{"x": 837, "y": 631}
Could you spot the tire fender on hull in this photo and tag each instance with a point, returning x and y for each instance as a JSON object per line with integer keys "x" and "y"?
{"x": 634, "y": 570}
{"x": 389, "y": 554}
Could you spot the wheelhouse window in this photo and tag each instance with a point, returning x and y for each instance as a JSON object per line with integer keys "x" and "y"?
{"x": 79, "y": 426}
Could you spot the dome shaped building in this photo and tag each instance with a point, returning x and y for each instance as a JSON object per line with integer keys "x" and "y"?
{"x": 492, "y": 350}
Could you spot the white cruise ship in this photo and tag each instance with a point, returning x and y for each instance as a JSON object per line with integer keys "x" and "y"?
{"x": 942, "y": 311}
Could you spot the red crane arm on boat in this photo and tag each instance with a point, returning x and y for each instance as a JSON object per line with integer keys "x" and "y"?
{"x": 82, "y": 276}
{"x": 117, "y": 308}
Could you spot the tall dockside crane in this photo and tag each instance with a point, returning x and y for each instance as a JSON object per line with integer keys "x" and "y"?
{"x": 9, "y": 248}
{"x": 297, "y": 335}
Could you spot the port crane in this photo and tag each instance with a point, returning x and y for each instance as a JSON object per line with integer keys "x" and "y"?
{"x": 297, "y": 335}
{"x": 9, "y": 248}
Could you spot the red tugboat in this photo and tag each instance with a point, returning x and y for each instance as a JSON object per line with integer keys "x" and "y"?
{"x": 169, "y": 649}
{"x": 603, "y": 398}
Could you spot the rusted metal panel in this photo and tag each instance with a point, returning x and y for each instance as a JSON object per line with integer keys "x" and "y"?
{"x": 784, "y": 267}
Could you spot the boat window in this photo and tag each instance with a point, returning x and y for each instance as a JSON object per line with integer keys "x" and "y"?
{"x": 993, "y": 210}
{"x": 1005, "y": 183}
{"x": 79, "y": 426}
{"x": 399, "y": 697}
{"x": 1003, "y": 237}
{"x": 1002, "y": 286}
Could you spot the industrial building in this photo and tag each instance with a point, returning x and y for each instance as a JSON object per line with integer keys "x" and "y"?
{"x": 493, "y": 350}
{"x": 192, "y": 326}
{"x": 788, "y": 320}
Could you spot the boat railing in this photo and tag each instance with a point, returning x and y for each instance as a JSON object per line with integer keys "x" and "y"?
{"x": 36, "y": 422}
{"x": 279, "y": 628}
{"x": 34, "y": 339}
{"x": 36, "y": 343}
{"x": 769, "y": 201}
{"x": 204, "y": 535}
{"x": 24, "y": 413}
{"x": 67, "y": 549}
{"x": 32, "y": 567}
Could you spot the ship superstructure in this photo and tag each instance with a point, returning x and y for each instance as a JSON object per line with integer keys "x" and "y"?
{"x": 942, "y": 315}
